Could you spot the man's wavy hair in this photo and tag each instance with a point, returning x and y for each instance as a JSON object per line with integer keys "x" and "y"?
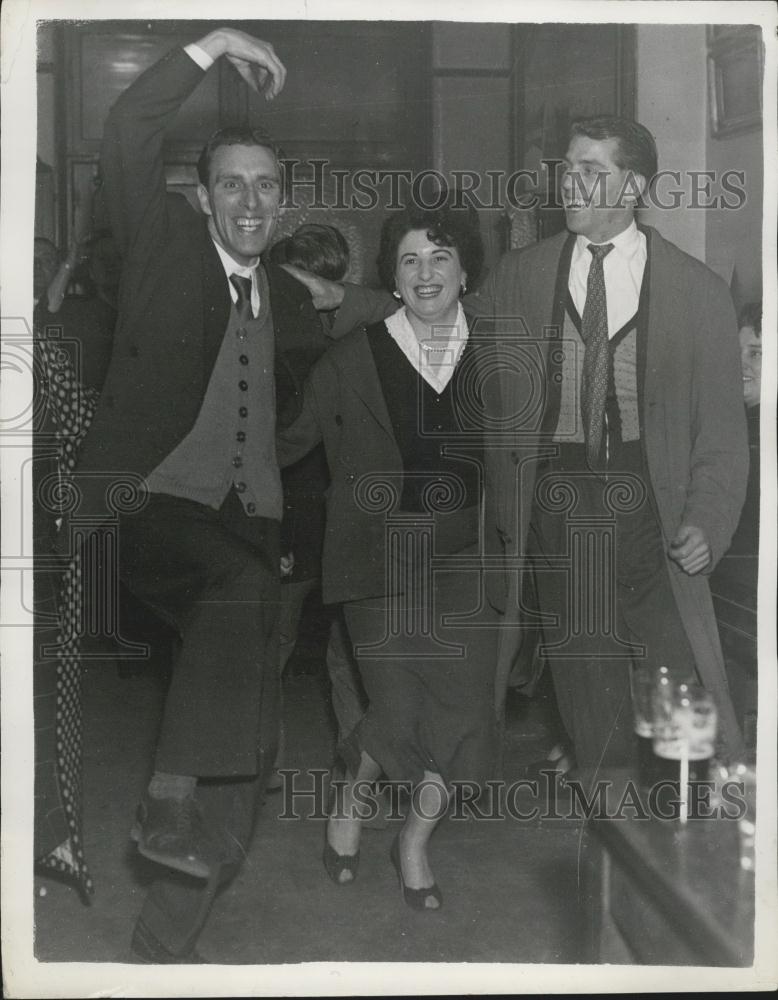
{"x": 236, "y": 135}
{"x": 446, "y": 226}
{"x": 636, "y": 147}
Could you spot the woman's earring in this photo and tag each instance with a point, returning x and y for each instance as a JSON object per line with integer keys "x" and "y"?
{"x": 396, "y": 294}
{"x": 464, "y": 287}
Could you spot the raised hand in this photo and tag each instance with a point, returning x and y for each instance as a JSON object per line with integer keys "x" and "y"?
{"x": 255, "y": 60}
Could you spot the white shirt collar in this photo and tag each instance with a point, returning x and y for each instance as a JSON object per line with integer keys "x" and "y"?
{"x": 627, "y": 243}
{"x": 438, "y": 375}
{"x": 231, "y": 266}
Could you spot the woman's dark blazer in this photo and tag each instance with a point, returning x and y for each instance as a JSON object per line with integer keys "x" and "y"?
{"x": 344, "y": 406}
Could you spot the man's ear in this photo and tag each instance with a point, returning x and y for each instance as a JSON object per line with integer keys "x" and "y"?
{"x": 204, "y": 199}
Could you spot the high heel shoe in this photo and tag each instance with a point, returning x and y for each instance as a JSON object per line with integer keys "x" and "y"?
{"x": 336, "y": 864}
{"x": 415, "y": 898}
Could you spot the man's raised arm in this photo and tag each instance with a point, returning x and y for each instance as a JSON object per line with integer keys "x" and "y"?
{"x": 357, "y": 304}
{"x": 131, "y": 155}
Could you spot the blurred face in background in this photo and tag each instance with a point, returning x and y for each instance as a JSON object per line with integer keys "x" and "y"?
{"x": 45, "y": 266}
{"x": 751, "y": 365}
{"x": 105, "y": 268}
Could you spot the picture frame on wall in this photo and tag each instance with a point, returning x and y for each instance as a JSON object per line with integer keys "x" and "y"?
{"x": 735, "y": 68}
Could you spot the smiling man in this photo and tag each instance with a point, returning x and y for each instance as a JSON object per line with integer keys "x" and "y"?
{"x": 187, "y": 413}
{"x": 643, "y": 425}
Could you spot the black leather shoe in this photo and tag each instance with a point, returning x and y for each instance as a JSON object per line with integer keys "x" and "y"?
{"x": 172, "y": 833}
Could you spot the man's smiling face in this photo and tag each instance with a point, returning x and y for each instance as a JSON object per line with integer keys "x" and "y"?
{"x": 598, "y": 195}
{"x": 242, "y": 199}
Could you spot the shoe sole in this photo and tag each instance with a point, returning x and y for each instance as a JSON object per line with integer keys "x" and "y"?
{"x": 193, "y": 867}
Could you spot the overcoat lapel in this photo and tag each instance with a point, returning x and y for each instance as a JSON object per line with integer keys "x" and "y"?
{"x": 361, "y": 377}
{"x": 553, "y": 288}
{"x": 216, "y": 305}
{"x": 662, "y": 293}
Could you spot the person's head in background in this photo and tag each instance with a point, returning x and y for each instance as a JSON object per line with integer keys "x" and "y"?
{"x": 45, "y": 265}
{"x": 750, "y": 336}
{"x": 314, "y": 247}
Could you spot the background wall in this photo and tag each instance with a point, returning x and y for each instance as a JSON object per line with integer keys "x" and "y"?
{"x": 672, "y": 101}
{"x": 472, "y": 110}
{"x": 736, "y": 236}
{"x": 484, "y": 92}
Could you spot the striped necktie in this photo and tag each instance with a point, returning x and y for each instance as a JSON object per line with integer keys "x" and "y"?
{"x": 594, "y": 330}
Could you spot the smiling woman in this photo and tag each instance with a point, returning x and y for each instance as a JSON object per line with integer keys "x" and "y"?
{"x": 398, "y": 394}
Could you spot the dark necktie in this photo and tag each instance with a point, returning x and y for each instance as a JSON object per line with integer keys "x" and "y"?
{"x": 243, "y": 306}
{"x": 594, "y": 330}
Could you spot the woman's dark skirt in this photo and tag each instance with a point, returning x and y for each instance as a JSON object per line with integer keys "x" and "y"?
{"x": 427, "y": 660}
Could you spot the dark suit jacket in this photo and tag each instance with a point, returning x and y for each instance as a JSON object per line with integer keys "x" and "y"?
{"x": 173, "y": 303}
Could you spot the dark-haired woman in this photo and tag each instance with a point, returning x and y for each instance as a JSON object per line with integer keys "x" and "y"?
{"x": 396, "y": 407}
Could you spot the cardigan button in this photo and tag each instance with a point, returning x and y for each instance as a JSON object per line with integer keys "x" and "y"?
{"x": 338, "y": 420}
{"x": 350, "y": 477}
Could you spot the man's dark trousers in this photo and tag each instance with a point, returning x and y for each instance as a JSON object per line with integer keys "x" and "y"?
{"x": 213, "y": 575}
{"x": 592, "y": 678}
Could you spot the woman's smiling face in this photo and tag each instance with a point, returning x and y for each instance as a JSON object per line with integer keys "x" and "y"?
{"x": 429, "y": 278}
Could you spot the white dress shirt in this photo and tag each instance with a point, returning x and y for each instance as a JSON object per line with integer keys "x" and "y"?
{"x": 249, "y": 271}
{"x": 623, "y": 271}
{"x": 435, "y": 367}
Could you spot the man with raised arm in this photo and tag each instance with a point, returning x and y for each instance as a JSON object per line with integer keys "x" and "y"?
{"x": 187, "y": 414}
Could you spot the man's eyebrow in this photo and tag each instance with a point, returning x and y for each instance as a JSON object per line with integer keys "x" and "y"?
{"x": 239, "y": 176}
{"x": 591, "y": 163}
